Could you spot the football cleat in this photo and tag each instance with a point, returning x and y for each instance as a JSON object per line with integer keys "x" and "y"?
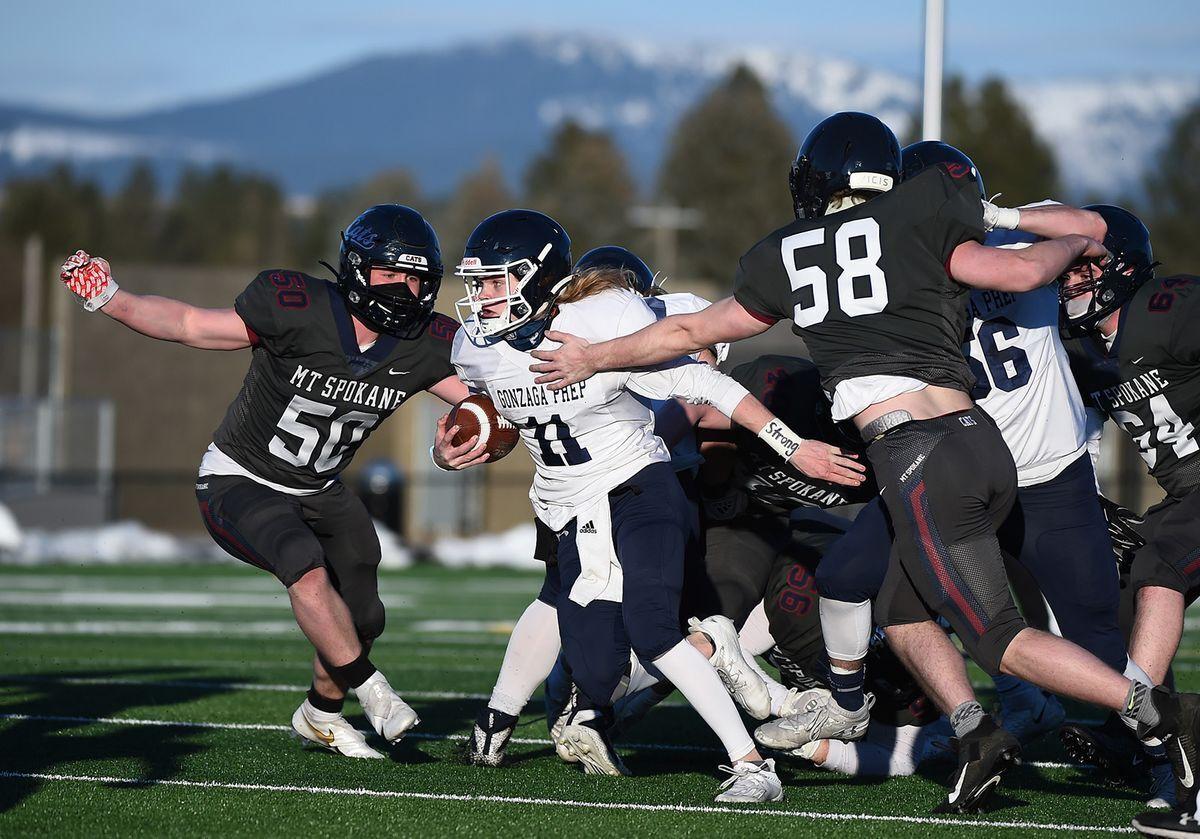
{"x": 585, "y": 738}
{"x": 983, "y": 756}
{"x": 819, "y": 718}
{"x": 325, "y": 730}
{"x": 388, "y": 714}
{"x": 745, "y": 685}
{"x": 1111, "y": 747}
{"x": 1176, "y": 823}
{"x": 1179, "y": 730}
{"x": 799, "y": 701}
{"x": 490, "y": 737}
{"x": 750, "y": 783}
{"x": 1162, "y": 785}
{"x": 560, "y": 723}
{"x": 1028, "y": 724}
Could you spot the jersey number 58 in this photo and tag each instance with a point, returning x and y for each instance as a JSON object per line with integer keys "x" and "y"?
{"x": 811, "y": 281}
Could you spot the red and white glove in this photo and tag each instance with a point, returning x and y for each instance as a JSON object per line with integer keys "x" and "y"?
{"x": 89, "y": 278}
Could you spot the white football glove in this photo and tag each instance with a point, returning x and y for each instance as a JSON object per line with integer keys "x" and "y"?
{"x": 999, "y": 218}
{"x": 89, "y": 278}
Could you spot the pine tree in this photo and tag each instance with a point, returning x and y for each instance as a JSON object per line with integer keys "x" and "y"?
{"x": 728, "y": 158}
{"x": 582, "y": 181}
{"x": 1173, "y": 197}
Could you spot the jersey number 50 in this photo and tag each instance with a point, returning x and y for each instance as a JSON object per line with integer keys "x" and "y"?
{"x": 310, "y": 435}
{"x": 812, "y": 281}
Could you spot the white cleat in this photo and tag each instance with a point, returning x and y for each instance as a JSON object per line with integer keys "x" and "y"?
{"x": 556, "y": 730}
{"x": 820, "y": 718}
{"x": 750, "y": 783}
{"x": 799, "y": 701}
{"x": 745, "y": 685}
{"x": 325, "y": 730}
{"x": 388, "y": 714}
{"x": 588, "y": 745}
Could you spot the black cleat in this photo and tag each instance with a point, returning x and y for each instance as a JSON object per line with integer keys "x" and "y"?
{"x": 1171, "y": 823}
{"x": 983, "y": 755}
{"x": 1179, "y": 730}
{"x": 490, "y": 736}
{"x": 1112, "y": 748}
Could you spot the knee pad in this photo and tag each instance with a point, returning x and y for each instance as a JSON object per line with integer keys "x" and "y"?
{"x": 369, "y": 619}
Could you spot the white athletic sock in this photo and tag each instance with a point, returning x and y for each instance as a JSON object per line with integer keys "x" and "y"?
{"x": 531, "y": 653}
{"x": 639, "y": 677}
{"x": 755, "y": 636}
{"x": 695, "y": 678}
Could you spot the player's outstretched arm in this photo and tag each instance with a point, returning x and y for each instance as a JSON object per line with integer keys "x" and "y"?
{"x": 1005, "y": 269}
{"x": 90, "y": 280}
{"x": 1051, "y": 221}
{"x": 665, "y": 340}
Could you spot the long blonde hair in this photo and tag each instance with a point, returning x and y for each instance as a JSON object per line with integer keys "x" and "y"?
{"x": 592, "y": 281}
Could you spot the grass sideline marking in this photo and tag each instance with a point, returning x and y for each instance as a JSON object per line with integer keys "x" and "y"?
{"x": 597, "y": 805}
{"x": 415, "y": 735}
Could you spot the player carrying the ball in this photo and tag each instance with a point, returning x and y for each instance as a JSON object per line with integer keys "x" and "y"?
{"x": 329, "y": 362}
{"x": 603, "y": 480}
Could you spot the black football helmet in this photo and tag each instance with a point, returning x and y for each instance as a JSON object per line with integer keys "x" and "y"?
{"x": 397, "y": 237}
{"x": 846, "y": 152}
{"x": 535, "y": 250}
{"x": 1112, "y": 284}
{"x": 615, "y": 256}
{"x": 917, "y": 157}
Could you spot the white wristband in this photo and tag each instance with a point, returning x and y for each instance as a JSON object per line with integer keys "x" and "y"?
{"x": 438, "y": 465}
{"x": 103, "y": 297}
{"x": 780, "y": 438}
{"x": 1000, "y": 218}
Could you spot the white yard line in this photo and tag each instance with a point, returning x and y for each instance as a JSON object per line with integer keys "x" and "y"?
{"x": 206, "y": 685}
{"x": 165, "y": 599}
{"x": 300, "y": 665}
{"x": 233, "y": 629}
{"x": 412, "y": 735}
{"x": 551, "y": 802}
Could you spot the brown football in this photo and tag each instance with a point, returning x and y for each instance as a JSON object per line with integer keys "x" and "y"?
{"x": 477, "y": 415}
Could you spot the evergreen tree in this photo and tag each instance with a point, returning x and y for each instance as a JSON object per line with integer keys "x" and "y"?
{"x": 583, "y": 182}
{"x": 728, "y": 158}
{"x": 135, "y": 217}
{"x": 1173, "y": 197}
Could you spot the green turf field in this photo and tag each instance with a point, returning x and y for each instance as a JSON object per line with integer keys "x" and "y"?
{"x": 156, "y": 702}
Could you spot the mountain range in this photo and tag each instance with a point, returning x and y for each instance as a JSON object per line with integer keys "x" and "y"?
{"x": 441, "y": 113}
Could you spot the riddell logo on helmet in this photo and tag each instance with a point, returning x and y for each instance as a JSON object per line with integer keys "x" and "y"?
{"x": 470, "y": 262}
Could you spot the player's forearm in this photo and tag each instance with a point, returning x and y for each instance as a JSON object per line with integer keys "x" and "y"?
{"x": 662, "y": 341}
{"x": 159, "y": 317}
{"x": 1044, "y": 262}
{"x": 1051, "y": 221}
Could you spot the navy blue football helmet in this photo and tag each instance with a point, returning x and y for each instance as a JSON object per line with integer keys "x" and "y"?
{"x": 917, "y": 157}
{"x": 534, "y": 252}
{"x": 1112, "y": 284}
{"x": 846, "y": 152}
{"x": 615, "y": 256}
{"x": 396, "y": 237}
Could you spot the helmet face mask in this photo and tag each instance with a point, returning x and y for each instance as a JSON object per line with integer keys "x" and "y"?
{"x": 849, "y": 152}
{"x": 1111, "y": 285}
{"x": 531, "y": 253}
{"x": 395, "y": 238}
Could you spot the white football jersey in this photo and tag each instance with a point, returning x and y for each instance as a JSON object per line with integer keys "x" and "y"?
{"x": 1023, "y": 375}
{"x": 589, "y": 437}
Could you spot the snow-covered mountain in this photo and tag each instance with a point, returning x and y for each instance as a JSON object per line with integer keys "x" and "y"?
{"x": 441, "y": 113}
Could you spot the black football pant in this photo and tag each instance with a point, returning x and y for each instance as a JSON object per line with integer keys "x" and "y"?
{"x": 290, "y": 535}
{"x": 1171, "y": 556}
{"x": 948, "y": 484}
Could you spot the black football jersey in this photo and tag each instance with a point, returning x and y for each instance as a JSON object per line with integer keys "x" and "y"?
{"x": 791, "y": 389}
{"x": 311, "y": 396}
{"x": 867, "y": 288}
{"x": 1149, "y": 383}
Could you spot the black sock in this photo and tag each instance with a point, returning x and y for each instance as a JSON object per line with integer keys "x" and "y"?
{"x": 324, "y": 703}
{"x": 356, "y": 672}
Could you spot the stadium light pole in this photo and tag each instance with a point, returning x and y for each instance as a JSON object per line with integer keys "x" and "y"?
{"x": 935, "y": 43}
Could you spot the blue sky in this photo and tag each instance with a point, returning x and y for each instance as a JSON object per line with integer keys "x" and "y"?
{"x": 117, "y": 56}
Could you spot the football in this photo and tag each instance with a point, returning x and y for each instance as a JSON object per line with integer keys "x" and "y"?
{"x": 477, "y": 415}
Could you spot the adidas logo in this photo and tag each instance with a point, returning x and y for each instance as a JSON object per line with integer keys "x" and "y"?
{"x": 589, "y": 528}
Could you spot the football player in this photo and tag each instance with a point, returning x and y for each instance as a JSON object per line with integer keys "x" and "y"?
{"x": 603, "y": 482}
{"x": 875, "y": 276}
{"x": 1057, "y": 529}
{"x": 1138, "y": 362}
{"x": 329, "y": 362}
{"x": 533, "y": 647}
